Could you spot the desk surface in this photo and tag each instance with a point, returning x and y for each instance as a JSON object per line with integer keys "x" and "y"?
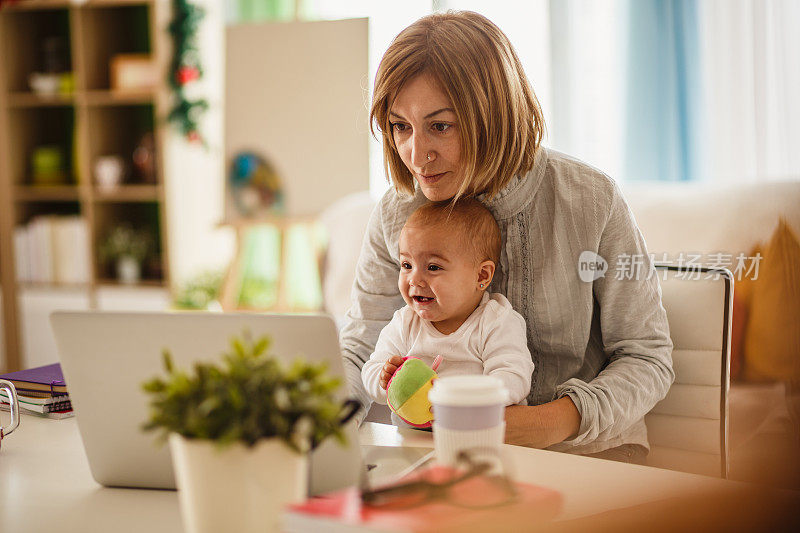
{"x": 45, "y": 483}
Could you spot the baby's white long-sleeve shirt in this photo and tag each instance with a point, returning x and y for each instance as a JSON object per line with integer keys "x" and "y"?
{"x": 491, "y": 341}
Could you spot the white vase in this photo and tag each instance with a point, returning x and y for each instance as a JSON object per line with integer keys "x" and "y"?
{"x": 236, "y": 488}
{"x": 129, "y": 271}
{"x": 108, "y": 172}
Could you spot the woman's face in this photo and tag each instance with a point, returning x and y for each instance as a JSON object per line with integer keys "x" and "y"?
{"x": 427, "y": 137}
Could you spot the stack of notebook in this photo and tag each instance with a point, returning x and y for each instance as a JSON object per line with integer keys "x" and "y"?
{"x": 41, "y": 391}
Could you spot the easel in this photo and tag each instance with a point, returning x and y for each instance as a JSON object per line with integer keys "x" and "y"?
{"x": 232, "y": 284}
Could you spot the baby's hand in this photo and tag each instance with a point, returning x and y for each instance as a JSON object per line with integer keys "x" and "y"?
{"x": 389, "y": 368}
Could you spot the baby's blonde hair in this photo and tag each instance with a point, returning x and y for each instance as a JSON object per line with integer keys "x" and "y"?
{"x": 473, "y": 223}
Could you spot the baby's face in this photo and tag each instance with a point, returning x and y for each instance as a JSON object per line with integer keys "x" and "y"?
{"x": 438, "y": 276}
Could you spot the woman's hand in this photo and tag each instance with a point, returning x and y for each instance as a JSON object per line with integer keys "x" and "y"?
{"x": 540, "y": 426}
{"x": 389, "y": 368}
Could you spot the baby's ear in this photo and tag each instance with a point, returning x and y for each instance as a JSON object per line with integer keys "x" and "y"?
{"x": 485, "y": 274}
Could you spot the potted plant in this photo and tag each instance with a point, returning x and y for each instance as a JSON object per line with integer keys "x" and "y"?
{"x": 126, "y": 248}
{"x": 239, "y": 434}
{"x": 200, "y": 292}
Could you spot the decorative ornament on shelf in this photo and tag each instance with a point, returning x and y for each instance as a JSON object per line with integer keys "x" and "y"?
{"x": 185, "y": 69}
{"x": 48, "y": 165}
{"x": 109, "y": 172}
{"x": 144, "y": 159}
{"x": 186, "y": 74}
{"x": 55, "y": 77}
{"x": 126, "y": 248}
{"x": 133, "y": 72}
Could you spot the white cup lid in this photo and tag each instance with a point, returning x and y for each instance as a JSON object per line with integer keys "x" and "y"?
{"x": 468, "y": 391}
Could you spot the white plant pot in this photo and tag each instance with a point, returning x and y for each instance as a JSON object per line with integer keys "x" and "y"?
{"x": 236, "y": 488}
{"x": 129, "y": 271}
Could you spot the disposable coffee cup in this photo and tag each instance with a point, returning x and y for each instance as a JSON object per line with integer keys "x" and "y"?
{"x": 467, "y": 414}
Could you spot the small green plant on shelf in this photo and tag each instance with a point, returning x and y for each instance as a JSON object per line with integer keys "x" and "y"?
{"x": 126, "y": 248}
{"x": 200, "y": 292}
{"x": 250, "y": 397}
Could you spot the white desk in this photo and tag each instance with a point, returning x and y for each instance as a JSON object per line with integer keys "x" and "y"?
{"x": 45, "y": 483}
{"x": 589, "y": 486}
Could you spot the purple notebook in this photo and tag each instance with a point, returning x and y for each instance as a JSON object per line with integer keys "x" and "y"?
{"x": 48, "y": 378}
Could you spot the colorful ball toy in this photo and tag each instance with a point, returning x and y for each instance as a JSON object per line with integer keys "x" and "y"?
{"x": 407, "y": 393}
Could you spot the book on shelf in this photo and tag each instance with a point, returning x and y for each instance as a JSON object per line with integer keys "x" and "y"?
{"x": 53, "y": 249}
{"x": 40, "y": 244}
{"x": 22, "y": 256}
{"x": 47, "y": 378}
{"x": 70, "y": 250}
{"x": 344, "y": 511}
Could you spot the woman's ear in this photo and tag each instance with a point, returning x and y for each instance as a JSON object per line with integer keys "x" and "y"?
{"x": 485, "y": 274}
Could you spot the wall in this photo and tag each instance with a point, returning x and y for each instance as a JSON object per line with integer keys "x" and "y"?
{"x": 194, "y": 175}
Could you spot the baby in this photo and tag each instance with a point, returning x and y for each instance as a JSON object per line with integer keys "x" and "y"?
{"x": 448, "y": 256}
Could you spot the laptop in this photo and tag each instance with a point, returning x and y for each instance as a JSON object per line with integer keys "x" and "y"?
{"x": 106, "y": 356}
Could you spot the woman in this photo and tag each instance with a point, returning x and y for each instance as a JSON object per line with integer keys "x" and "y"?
{"x": 458, "y": 118}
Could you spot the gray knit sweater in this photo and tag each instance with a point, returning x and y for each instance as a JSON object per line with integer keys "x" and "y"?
{"x": 605, "y": 343}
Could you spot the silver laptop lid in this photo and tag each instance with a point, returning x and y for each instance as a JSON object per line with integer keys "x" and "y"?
{"x": 106, "y": 356}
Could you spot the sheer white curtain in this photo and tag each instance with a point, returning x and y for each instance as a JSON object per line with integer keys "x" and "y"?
{"x": 588, "y": 69}
{"x": 751, "y": 53}
{"x": 573, "y": 54}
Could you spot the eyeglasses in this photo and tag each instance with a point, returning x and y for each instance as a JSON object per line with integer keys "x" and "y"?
{"x": 477, "y": 480}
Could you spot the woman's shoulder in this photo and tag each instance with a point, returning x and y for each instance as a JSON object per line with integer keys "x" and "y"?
{"x": 566, "y": 171}
{"x": 578, "y": 187}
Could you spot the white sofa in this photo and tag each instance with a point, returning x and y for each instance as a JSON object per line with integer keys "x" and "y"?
{"x": 674, "y": 218}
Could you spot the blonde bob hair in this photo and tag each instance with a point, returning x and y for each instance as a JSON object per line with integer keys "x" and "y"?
{"x": 499, "y": 118}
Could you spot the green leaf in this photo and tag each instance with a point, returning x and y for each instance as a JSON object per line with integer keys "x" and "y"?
{"x": 261, "y": 346}
{"x": 167, "y": 357}
{"x": 248, "y": 397}
{"x": 238, "y": 347}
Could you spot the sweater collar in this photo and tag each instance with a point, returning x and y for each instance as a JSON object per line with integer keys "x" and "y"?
{"x": 519, "y": 191}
